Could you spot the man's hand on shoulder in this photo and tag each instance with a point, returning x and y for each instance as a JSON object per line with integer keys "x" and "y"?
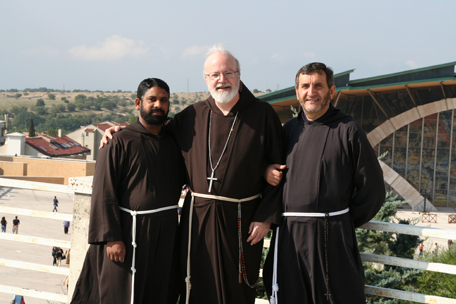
{"x": 108, "y": 134}
{"x": 257, "y": 232}
{"x": 116, "y": 251}
{"x": 273, "y": 174}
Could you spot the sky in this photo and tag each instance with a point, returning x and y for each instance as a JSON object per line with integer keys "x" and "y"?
{"x": 113, "y": 45}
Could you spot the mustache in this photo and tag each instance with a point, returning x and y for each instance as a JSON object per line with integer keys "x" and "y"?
{"x": 223, "y": 85}
{"x": 156, "y": 111}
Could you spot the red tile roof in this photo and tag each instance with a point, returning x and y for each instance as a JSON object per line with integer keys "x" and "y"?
{"x": 108, "y": 124}
{"x": 56, "y": 146}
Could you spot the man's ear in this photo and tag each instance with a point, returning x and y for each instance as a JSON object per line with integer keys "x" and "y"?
{"x": 137, "y": 104}
{"x": 332, "y": 90}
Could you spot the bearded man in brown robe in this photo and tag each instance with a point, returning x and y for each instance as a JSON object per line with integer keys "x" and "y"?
{"x": 138, "y": 179}
{"x": 227, "y": 141}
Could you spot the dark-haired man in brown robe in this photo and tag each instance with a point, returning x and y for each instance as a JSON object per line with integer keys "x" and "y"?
{"x": 133, "y": 220}
{"x": 334, "y": 184}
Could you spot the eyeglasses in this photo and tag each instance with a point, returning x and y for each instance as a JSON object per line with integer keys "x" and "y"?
{"x": 227, "y": 75}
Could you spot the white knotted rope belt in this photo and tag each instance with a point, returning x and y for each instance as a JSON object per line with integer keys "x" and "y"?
{"x": 275, "y": 287}
{"x": 214, "y": 197}
{"x": 133, "y": 240}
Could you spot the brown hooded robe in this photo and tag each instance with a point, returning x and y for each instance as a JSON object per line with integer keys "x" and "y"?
{"x": 256, "y": 141}
{"x": 138, "y": 171}
{"x": 331, "y": 166}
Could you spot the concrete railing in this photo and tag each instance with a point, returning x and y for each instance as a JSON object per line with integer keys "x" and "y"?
{"x": 82, "y": 187}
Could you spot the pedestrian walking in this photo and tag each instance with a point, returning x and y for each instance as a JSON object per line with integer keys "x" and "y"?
{"x": 66, "y": 225}
{"x": 16, "y": 223}
{"x": 59, "y": 256}
{"x": 54, "y": 256}
{"x": 18, "y": 300}
{"x": 4, "y": 223}
{"x": 420, "y": 247}
{"x": 56, "y": 204}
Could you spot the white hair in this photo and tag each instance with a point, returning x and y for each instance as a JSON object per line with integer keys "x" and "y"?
{"x": 220, "y": 48}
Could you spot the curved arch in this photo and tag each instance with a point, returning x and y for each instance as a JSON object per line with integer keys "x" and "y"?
{"x": 392, "y": 178}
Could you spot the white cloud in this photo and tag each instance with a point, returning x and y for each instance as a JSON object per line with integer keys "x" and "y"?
{"x": 43, "y": 50}
{"x": 112, "y": 48}
{"x": 275, "y": 56}
{"x": 195, "y": 50}
{"x": 412, "y": 64}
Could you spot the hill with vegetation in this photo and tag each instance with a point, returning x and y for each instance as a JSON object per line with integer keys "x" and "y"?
{"x": 51, "y": 110}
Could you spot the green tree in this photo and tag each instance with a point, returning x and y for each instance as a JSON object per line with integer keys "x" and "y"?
{"x": 65, "y": 100}
{"x": 18, "y": 95}
{"x": 255, "y": 91}
{"x": 384, "y": 243}
{"x": 16, "y": 110}
{"x": 436, "y": 283}
{"x": 51, "y": 96}
{"x": 40, "y": 103}
{"x": 52, "y": 132}
{"x": 80, "y": 97}
{"x": 71, "y": 107}
{"x": 40, "y": 110}
{"x": 31, "y": 128}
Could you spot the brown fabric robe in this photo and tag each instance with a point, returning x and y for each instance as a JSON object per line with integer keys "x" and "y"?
{"x": 139, "y": 171}
{"x": 331, "y": 166}
{"x": 256, "y": 141}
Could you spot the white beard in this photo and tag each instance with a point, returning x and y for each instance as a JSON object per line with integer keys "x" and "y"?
{"x": 225, "y": 96}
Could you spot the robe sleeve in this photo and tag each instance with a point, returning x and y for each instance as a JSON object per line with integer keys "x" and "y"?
{"x": 269, "y": 209}
{"x": 368, "y": 178}
{"x": 104, "y": 212}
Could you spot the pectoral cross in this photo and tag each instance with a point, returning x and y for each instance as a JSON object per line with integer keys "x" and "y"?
{"x": 212, "y": 178}
{"x": 327, "y": 295}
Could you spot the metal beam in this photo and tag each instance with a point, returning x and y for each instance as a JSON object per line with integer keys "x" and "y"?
{"x": 411, "y": 230}
{"x": 410, "y": 94}
{"x": 34, "y": 240}
{"x": 443, "y": 89}
{"x": 37, "y": 213}
{"x": 406, "y": 295}
{"x": 34, "y": 293}
{"x": 337, "y": 99}
{"x": 409, "y": 263}
{"x": 378, "y": 104}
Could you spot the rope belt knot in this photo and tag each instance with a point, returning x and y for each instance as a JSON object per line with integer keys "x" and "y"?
{"x": 241, "y": 269}
{"x": 134, "y": 213}
{"x": 326, "y": 215}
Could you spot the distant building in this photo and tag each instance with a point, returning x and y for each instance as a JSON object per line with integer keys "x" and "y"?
{"x": 90, "y": 136}
{"x": 18, "y": 144}
{"x": 2, "y": 132}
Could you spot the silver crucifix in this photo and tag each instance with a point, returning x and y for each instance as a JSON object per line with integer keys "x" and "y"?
{"x": 212, "y": 178}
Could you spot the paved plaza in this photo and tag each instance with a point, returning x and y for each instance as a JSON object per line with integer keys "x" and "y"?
{"x": 39, "y": 254}
{"x": 53, "y": 229}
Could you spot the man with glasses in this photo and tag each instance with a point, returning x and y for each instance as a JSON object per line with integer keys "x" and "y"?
{"x": 227, "y": 141}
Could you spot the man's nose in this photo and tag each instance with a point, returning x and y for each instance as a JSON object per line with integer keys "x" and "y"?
{"x": 312, "y": 90}
{"x": 222, "y": 77}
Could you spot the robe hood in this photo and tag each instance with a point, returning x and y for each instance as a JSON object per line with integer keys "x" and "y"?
{"x": 139, "y": 128}
{"x": 333, "y": 114}
{"x": 245, "y": 99}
